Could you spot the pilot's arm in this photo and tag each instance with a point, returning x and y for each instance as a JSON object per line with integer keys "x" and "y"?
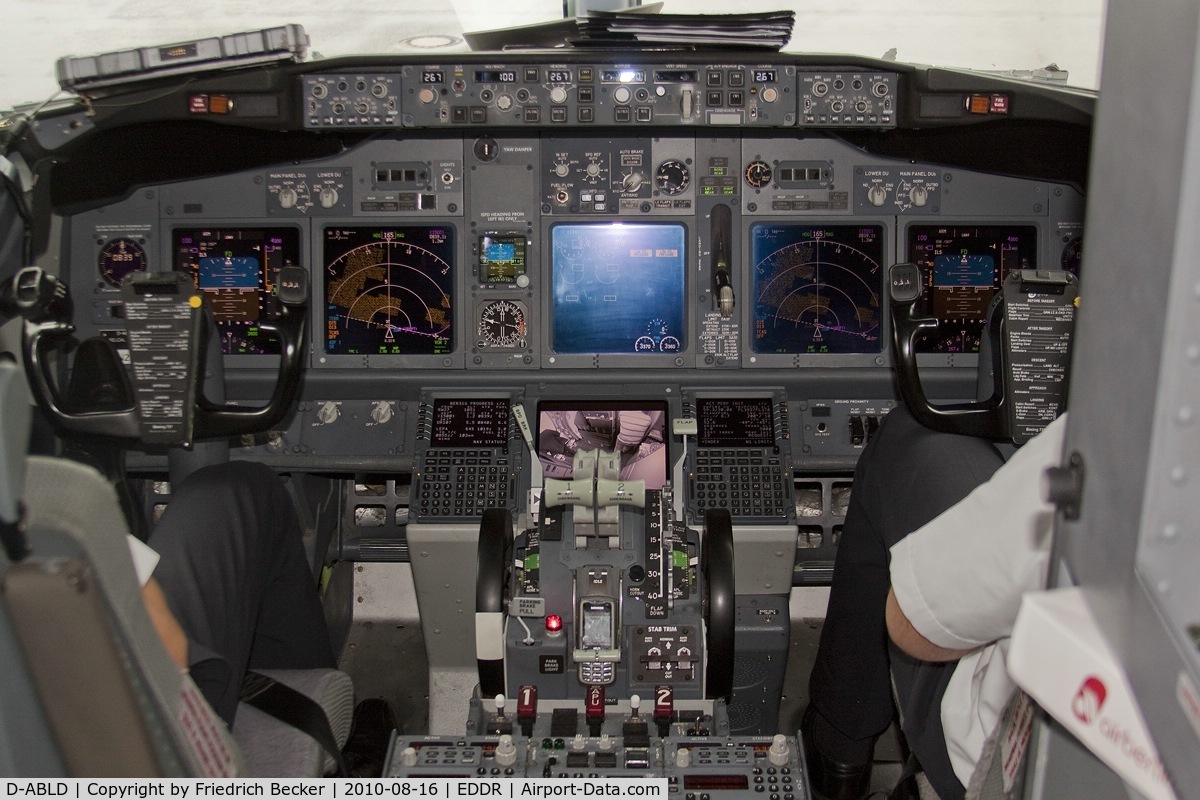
{"x": 165, "y": 623}
{"x": 957, "y": 582}
{"x": 172, "y": 635}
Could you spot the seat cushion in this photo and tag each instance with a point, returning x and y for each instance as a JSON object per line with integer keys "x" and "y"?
{"x": 274, "y": 749}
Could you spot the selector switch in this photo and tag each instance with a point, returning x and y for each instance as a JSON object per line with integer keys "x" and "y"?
{"x": 381, "y": 412}
{"x": 328, "y": 412}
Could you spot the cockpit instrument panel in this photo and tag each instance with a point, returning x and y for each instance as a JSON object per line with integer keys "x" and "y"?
{"x": 236, "y": 269}
{"x": 502, "y": 259}
{"x": 388, "y": 291}
{"x": 816, "y": 288}
{"x": 635, "y": 430}
{"x": 963, "y": 266}
{"x": 480, "y": 422}
{"x": 735, "y": 422}
{"x": 120, "y": 258}
{"x": 618, "y": 288}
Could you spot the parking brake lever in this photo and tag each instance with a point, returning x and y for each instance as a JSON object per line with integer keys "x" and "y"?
{"x": 721, "y": 226}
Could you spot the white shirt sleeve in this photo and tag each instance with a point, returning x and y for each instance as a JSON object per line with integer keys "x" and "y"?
{"x": 145, "y": 559}
{"x": 959, "y": 579}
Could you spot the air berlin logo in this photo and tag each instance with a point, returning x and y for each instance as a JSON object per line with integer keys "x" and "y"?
{"x": 1089, "y": 699}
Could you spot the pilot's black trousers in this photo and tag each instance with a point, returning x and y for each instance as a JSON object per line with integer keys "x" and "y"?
{"x": 907, "y": 475}
{"x": 233, "y": 569}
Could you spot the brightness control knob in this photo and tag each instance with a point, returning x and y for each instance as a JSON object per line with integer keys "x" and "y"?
{"x": 382, "y": 412}
{"x": 328, "y": 412}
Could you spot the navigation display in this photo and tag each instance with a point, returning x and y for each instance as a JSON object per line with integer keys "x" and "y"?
{"x": 635, "y": 430}
{"x": 817, "y": 288}
{"x": 388, "y": 290}
{"x": 735, "y": 422}
{"x": 962, "y": 267}
{"x": 236, "y": 268}
{"x": 469, "y": 423}
{"x": 618, "y": 288}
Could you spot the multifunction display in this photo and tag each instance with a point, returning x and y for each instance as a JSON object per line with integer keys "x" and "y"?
{"x": 816, "y": 288}
{"x": 618, "y": 288}
{"x": 469, "y": 423}
{"x": 962, "y": 267}
{"x": 735, "y": 422}
{"x": 236, "y": 269}
{"x": 388, "y": 291}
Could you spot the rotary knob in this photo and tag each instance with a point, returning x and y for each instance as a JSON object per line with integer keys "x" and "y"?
{"x": 504, "y": 102}
{"x": 287, "y": 197}
{"x": 427, "y": 95}
{"x": 622, "y": 94}
{"x": 328, "y": 412}
{"x": 558, "y": 95}
{"x": 632, "y": 182}
{"x": 779, "y": 751}
{"x": 506, "y": 751}
{"x": 562, "y": 170}
{"x": 329, "y": 197}
{"x": 408, "y": 756}
{"x": 382, "y": 412}
{"x": 877, "y": 195}
{"x": 919, "y": 195}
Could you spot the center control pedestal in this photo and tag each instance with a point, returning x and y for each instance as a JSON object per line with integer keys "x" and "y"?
{"x": 687, "y": 743}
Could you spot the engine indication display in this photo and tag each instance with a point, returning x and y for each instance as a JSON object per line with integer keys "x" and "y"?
{"x": 388, "y": 290}
{"x": 236, "y": 268}
{"x": 962, "y": 267}
{"x": 618, "y": 288}
{"x": 816, "y": 288}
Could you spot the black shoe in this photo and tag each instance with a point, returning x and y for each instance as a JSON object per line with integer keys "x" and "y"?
{"x": 370, "y": 735}
{"x": 830, "y": 779}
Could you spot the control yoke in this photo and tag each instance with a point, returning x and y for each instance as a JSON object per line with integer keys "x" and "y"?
{"x": 1029, "y": 330}
{"x": 156, "y": 399}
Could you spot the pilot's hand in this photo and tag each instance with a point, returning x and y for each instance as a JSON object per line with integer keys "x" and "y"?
{"x": 634, "y": 427}
{"x": 169, "y": 630}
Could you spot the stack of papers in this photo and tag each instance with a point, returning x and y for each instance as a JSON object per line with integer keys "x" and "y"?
{"x": 771, "y": 30}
